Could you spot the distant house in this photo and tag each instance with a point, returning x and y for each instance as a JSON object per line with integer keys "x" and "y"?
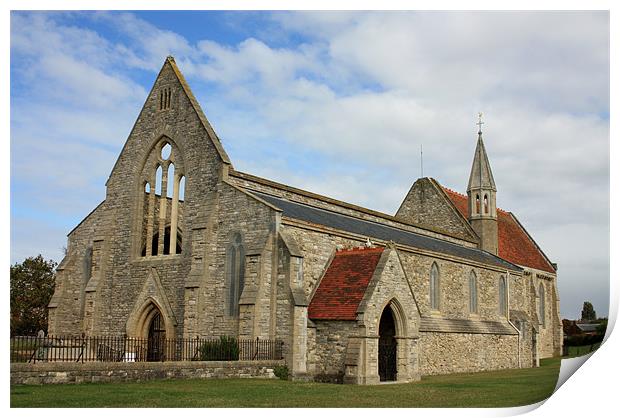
{"x": 573, "y": 327}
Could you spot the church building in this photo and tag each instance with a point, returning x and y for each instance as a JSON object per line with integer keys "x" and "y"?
{"x": 185, "y": 244}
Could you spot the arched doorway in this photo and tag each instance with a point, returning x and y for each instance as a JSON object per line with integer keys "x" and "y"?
{"x": 156, "y": 338}
{"x": 387, "y": 346}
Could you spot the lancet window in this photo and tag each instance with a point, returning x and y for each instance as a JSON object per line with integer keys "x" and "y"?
{"x": 473, "y": 293}
{"x": 541, "y": 304}
{"x": 235, "y": 260}
{"x": 502, "y": 296}
{"x": 162, "y": 204}
{"x": 434, "y": 287}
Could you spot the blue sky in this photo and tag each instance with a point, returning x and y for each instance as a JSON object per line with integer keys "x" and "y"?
{"x": 334, "y": 102}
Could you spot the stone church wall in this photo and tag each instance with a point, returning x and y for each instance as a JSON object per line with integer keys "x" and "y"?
{"x": 233, "y": 212}
{"x": 549, "y": 329}
{"x": 317, "y": 248}
{"x": 454, "y": 287}
{"x": 443, "y": 353}
{"x": 73, "y": 275}
{"x": 424, "y": 206}
{"x": 332, "y": 338}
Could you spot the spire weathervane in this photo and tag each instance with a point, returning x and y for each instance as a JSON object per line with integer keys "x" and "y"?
{"x": 480, "y": 122}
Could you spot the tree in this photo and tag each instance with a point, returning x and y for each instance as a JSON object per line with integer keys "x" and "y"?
{"x": 588, "y": 313}
{"x": 32, "y": 287}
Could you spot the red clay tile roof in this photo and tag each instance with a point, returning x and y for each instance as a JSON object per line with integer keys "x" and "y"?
{"x": 344, "y": 283}
{"x": 515, "y": 245}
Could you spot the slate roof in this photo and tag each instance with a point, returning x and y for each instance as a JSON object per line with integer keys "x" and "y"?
{"x": 514, "y": 243}
{"x": 344, "y": 283}
{"x": 382, "y": 232}
{"x": 467, "y": 326}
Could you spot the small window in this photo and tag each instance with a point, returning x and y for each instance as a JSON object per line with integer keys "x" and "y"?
{"x": 165, "y": 98}
{"x": 170, "y": 188}
{"x": 182, "y": 189}
{"x": 486, "y": 204}
{"x": 477, "y": 204}
{"x": 502, "y": 296}
{"x": 541, "y": 304}
{"x": 434, "y": 287}
{"x": 166, "y": 150}
{"x": 158, "y": 180}
{"x": 236, "y": 271}
{"x": 473, "y": 293}
{"x": 147, "y": 188}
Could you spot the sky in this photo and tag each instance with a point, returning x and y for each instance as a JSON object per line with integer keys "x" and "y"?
{"x": 337, "y": 103}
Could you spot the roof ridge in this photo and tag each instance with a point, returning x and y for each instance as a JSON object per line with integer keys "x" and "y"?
{"x": 465, "y": 196}
{"x": 215, "y": 140}
{"x": 349, "y": 251}
{"x": 423, "y": 230}
{"x": 452, "y": 191}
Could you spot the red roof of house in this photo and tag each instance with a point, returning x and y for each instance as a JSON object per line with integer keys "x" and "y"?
{"x": 514, "y": 244}
{"x": 344, "y": 283}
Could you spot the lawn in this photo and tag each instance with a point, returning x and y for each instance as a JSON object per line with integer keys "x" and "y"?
{"x": 582, "y": 350}
{"x": 486, "y": 389}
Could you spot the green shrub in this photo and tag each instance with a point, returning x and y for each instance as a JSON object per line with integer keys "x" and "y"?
{"x": 281, "y": 372}
{"x": 226, "y": 348}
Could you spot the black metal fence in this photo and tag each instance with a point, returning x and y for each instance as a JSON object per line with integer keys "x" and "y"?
{"x": 124, "y": 349}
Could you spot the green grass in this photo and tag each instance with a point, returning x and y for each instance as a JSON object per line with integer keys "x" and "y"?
{"x": 486, "y": 389}
{"x": 582, "y": 350}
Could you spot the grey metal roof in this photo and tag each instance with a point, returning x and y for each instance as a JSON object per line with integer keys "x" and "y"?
{"x": 383, "y": 232}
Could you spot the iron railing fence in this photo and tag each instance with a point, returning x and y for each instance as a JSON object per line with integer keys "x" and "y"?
{"x": 31, "y": 349}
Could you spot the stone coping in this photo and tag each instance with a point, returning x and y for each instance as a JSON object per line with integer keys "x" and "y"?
{"x": 142, "y": 365}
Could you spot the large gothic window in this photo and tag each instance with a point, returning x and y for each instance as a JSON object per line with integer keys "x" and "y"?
{"x": 473, "y": 293}
{"x": 541, "y": 304}
{"x": 163, "y": 191}
{"x": 502, "y": 296}
{"x": 235, "y": 260}
{"x": 434, "y": 288}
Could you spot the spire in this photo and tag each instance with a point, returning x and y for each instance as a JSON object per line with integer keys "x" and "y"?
{"x": 481, "y": 176}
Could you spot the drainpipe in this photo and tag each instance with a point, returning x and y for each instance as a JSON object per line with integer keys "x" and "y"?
{"x": 508, "y": 318}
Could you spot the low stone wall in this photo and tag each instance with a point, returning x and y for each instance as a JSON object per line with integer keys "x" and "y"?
{"x": 51, "y": 373}
{"x": 444, "y": 353}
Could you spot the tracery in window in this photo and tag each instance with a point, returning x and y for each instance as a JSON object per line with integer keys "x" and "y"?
{"x": 161, "y": 205}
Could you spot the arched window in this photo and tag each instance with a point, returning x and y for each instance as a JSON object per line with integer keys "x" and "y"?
{"x": 236, "y": 268}
{"x": 502, "y": 296}
{"x": 477, "y": 204}
{"x": 158, "y": 180}
{"x": 486, "y": 204}
{"x": 541, "y": 305}
{"x": 473, "y": 293}
{"x": 434, "y": 282}
{"x": 171, "y": 181}
{"x": 164, "y": 185}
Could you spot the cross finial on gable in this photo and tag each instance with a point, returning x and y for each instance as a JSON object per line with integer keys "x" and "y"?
{"x": 480, "y": 122}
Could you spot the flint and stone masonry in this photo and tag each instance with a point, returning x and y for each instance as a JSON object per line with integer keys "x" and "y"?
{"x": 210, "y": 251}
